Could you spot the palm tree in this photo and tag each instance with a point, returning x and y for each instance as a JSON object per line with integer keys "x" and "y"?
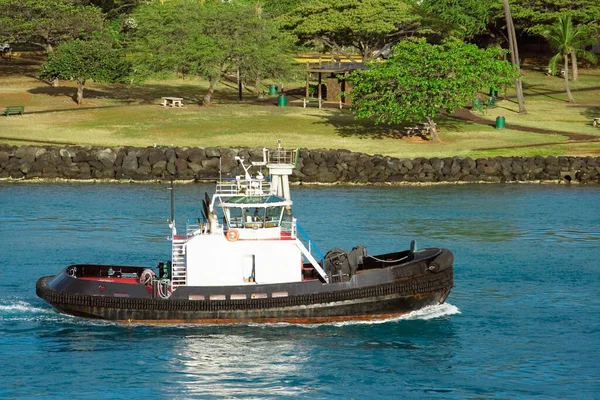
{"x": 568, "y": 40}
{"x": 514, "y": 54}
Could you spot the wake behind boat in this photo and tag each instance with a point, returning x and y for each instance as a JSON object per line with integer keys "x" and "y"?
{"x": 248, "y": 260}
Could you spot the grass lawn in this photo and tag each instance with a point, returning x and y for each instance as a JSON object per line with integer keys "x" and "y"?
{"x": 115, "y": 115}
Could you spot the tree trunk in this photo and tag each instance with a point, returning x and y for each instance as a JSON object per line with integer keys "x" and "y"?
{"x": 211, "y": 89}
{"x": 574, "y": 64}
{"x": 435, "y": 137}
{"x": 49, "y": 49}
{"x": 80, "y": 86}
{"x": 257, "y": 91}
{"x": 569, "y": 95}
{"x": 514, "y": 54}
{"x": 239, "y": 84}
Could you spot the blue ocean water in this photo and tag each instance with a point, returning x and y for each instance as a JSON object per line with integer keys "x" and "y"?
{"x": 523, "y": 320}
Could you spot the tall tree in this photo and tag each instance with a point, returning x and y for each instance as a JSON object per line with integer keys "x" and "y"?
{"x": 568, "y": 40}
{"x": 421, "y": 80}
{"x": 514, "y": 54}
{"x": 367, "y": 26}
{"x": 114, "y": 8}
{"x": 81, "y": 61}
{"x": 461, "y": 19}
{"x": 210, "y": 40}
{"x": 538, "y": 16}
{"x": 46, "y": 23}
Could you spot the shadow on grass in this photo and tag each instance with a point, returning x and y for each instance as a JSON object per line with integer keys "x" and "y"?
{"x": 538, "y": 91}
{"x": 346, "y": 126}
{"x": 143, "y": 94}
{"x": 19, "y": 67}
{"x": 591, "y": 112}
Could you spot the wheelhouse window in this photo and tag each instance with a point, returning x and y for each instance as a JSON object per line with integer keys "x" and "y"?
{"x": 254, "y": 211}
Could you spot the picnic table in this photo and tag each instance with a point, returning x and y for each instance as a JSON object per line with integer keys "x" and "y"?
{"x": 172, "y": 102}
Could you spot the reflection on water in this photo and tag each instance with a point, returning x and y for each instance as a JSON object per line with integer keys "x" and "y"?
{"x": 237, "y": 363}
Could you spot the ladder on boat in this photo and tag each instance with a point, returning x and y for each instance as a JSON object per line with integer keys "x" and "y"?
{"x": 178, "y": 272}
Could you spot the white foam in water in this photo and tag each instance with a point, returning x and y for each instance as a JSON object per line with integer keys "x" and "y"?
{"x": 425, "y": 313}
{"x": 23, "y": 307}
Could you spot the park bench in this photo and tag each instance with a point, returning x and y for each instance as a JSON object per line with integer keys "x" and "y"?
{"x": 423, "y": 130}
{"x": 172, "y": 102}
{"x": 491, "y": 102}
{"x": 310, "y": 101}
{"x": 14, "y": 110}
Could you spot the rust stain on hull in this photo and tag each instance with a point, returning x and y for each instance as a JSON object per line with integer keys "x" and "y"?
{"x": 294, "y": 320}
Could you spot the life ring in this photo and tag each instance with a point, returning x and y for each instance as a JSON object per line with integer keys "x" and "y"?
{"x": 232, "y": 235}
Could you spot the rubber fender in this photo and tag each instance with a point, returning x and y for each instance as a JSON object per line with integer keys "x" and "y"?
{"x": 442, "y": 261}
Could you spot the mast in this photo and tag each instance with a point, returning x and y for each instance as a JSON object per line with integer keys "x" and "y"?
{"x": 171, "y": 221}
{"x": 281, "y": 164}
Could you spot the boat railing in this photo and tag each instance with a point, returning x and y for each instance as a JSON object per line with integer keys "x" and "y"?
{"x": 289, "y": 228}
{"x": 282, "y": 157}
{"x": 250, "y": 187}
{"x": 195, "y": 226}
{"x": 312, "y": 248}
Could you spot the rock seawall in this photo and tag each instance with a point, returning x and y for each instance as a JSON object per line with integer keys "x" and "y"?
{"x": 314, "y": 166}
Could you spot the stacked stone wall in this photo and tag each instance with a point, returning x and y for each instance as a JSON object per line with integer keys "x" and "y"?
{"x": 314, "y": 166}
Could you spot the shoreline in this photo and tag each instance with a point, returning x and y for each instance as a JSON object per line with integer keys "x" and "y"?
{"x": 343, "y": 184}
{"x": 313, "y": 167}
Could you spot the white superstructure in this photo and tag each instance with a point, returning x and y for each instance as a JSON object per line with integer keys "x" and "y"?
{"x": 248, "y": 234}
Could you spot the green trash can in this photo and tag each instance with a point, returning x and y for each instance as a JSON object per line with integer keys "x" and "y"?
{"x": 273, "y": 89}
{"x": 500, "y": 122}
{"x": 282, "y": 100}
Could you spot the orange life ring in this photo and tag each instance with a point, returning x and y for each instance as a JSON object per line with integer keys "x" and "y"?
{"x": 232, "y": 235}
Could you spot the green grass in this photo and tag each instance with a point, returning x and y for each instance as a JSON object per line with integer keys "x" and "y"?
{"x": 115, "y": 115}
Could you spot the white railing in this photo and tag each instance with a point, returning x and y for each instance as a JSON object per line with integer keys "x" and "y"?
{"x": 252, "y": 187}
{"x": 289, "y": 227}
{"x": 281, "y": 156}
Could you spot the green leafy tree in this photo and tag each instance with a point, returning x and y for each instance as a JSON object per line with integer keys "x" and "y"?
{"x": 568, "y": 40}
{"x": 275, "y": 8}
{"x": 461, "y": 19}
{"x": 421, "y": 80}
{"x": 47, "y": 23}
{"x": 80, "y": 61}
{"x": 114, "y": 8}
{"x": 211, "y": 40}
{"x": 539, "y": 16}
{"x": 367, "y": 26}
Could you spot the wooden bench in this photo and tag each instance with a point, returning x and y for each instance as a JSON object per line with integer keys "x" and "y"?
{"x": 596, "y": 122}
{"x": 14, "y": 110}
{"x": 310, "y": 101}
{"x": 422, "y": 129}
{"x": 172, "y": 102}
{"x": 491, "y": 102}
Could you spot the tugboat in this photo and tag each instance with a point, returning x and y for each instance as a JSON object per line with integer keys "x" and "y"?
{"x": 247, "y": 260}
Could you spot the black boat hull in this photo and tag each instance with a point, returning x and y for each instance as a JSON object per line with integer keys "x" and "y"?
{"x": 375, "y": 294}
